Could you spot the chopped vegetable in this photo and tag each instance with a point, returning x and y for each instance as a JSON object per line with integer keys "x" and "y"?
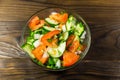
{"x": 44, "y": 58}
{"x": 28, "y": 49}
{"x": 36, "y": 43}
{"x": 36, "y": 23}
{"x": 73, "y": 47}
{"x": 64, "y": 36}
{"x": 79, "y": 29}
{"x": 51, "y": 21}
{"x": 48, "y": 36}
{"x": 69, "y": 58}
{"x": 62, "y": 18}
{"x": 70, "y": 40}
{"x": 38, "y": 52}
{"x": 70, "y": 24}
{"x": 48, "y": 28}
{"x": 58, "y": 51}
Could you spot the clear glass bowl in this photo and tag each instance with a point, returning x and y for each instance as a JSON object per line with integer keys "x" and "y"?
{"x": 43, "y": 14}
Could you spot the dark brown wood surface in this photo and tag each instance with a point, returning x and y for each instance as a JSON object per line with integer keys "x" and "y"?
{"x": 102, "y": 61}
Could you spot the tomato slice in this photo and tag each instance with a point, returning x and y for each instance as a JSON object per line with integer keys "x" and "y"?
{"x": 49, "y": 35}
{"x": 73, "y": 47}
{"x": 44, "y": 58}
{"x": 69, "y": 58}
{"x": 62, "y": 18}
{"x": 38, "y": 52}
{"x": 70, "y": 40}
{"x": 36, "y": 23}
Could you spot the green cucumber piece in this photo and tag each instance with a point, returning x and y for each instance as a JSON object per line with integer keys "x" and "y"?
{"x": 51, "y": 21}
{"x": 27, "y": 48}
{"x": 70, "y": 24}
{"x": 48, "y": 28}
{"x": 40, "y": 31}
{"x": 64, "y": 28}
{"x": 30, "y": 40}
{"x": 64, "y": 36}
{"x": 57, "y": 52}
{"x": 36, "y": 43}
{"x": 53, "y": 52}
{"x": 79, "y": 29}
{"x": 62, "y": 47}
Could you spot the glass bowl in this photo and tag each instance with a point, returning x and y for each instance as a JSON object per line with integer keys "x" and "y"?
{"x": 43, "y": 14}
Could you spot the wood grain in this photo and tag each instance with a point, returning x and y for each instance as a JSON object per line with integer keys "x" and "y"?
{"x": 24, "y": 69}
{"x": 102, "y": 61}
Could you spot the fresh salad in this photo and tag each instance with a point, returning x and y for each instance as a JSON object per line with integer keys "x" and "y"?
{"x": 55, "y": 42}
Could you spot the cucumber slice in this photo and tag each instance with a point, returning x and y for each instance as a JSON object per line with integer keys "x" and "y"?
{"x": 53, "y": 52}
{"x": 63, "y": 28}
{"x": 36, "y": 43}
{"x": 51, "y": 21}
{"x": 57, "y": 27}
{"x": 48, "y": 28}
{"x": 79, "y": 29}
{"x": 64, "y": 36}
{"x": 27, "y": 48}
{"x": 30, "y": 40}
{"x": 57, "y": 52}
{"x": 70, "y": 24}
{"x": 62, "y": 47}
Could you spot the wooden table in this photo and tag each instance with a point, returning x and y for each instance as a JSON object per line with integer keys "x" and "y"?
{"x": 102, "y": 61}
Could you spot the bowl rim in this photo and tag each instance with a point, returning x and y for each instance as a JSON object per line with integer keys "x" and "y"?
{"x": 69, "y": 11}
